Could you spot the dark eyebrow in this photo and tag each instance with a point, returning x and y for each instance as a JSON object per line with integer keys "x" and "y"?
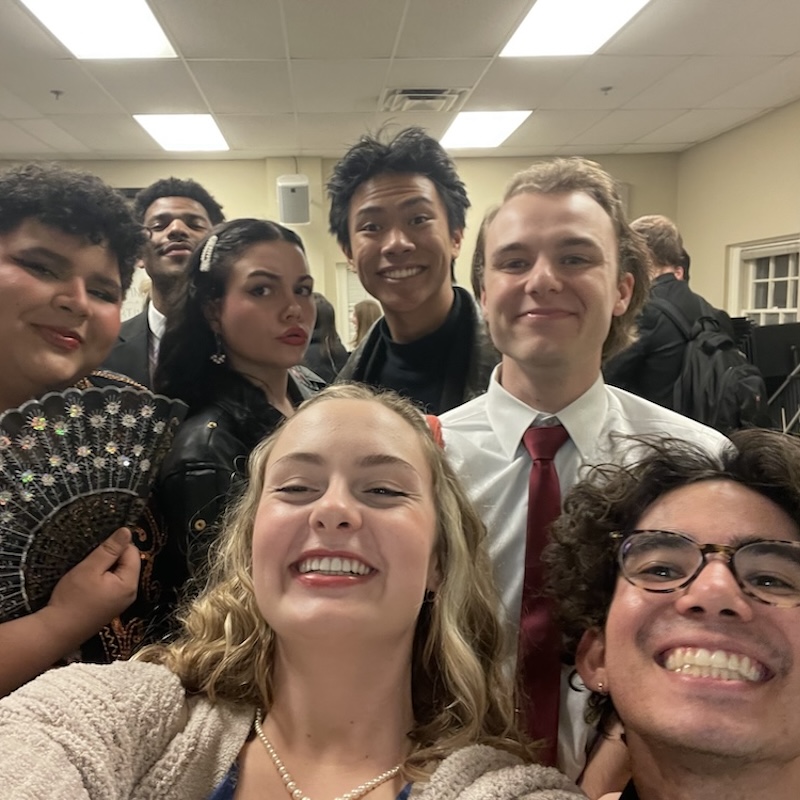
{"x": 416, "y": 200}
{"x": 170, "y": 215}
{"x": 274, "y": 276}
{"x": 577, "y": 241}
{"x": 44, "y": 252}
{"x": 59, "y": 261}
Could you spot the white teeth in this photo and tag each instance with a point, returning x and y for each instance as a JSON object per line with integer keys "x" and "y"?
{"x": 701, "y": 663}
{"x": 333, "y": 565}
{"x": 407, "y": 272}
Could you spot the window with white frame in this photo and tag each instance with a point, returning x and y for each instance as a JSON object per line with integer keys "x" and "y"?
{"x": 766, "y": 280}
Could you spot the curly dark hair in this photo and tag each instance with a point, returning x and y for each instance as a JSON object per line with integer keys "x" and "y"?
{"x": 410, "y": 151}
{"x": 77, "y": 203}
{"x": 177, "y": 187}
{"x": 576, "y": 174}
{"x": 581, "y": 558}
{"x": 185, "y": 369}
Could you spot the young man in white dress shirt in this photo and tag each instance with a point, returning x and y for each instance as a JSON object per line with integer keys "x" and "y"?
{"x": 563, "y": 279}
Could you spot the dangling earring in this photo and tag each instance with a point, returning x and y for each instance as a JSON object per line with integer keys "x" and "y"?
{"x": 219, "y": 357}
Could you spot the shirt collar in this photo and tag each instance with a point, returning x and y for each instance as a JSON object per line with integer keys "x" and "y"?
{"x": 509, "y": 417}
{"x": 156, "y": 321}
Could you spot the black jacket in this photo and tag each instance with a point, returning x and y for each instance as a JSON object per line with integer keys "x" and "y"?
{"x": 131, "y": 353}
{"x": 367, "y": 359}
{"x": 208, "y": 460}
{"x": 651, "y": 366}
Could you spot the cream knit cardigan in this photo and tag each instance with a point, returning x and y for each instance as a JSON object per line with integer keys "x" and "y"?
{"x": 127, "y": 731}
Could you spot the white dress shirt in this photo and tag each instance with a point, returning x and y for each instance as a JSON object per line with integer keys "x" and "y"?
{"x": 483, "y": 441}
{"x": 157, "y": 323}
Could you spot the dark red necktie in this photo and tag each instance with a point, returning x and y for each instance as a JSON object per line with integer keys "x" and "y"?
{"x": 539, "y": 654}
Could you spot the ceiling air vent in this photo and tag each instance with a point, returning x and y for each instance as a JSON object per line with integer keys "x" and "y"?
{"x": 395, "y": 100}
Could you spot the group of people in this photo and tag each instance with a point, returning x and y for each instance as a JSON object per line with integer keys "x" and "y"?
{"x": 547, "y": 582}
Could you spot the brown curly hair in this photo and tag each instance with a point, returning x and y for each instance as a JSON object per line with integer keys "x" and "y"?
{"x": 581, "y": 558}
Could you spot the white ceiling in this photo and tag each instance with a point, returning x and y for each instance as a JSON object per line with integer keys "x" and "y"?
{"x": 306, "y": 77}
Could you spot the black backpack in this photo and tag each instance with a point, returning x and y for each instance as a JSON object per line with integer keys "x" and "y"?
{"x": 717, "y": 386}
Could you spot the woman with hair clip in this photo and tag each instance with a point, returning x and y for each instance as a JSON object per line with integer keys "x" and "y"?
{"x": 231, "y": 352}
{"x": 346, "y": 645}
{"x": 326, "y": 354}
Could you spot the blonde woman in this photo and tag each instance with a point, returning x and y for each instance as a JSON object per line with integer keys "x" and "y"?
{"x": 347, "y": 644}
{"x": 365, "y": 314}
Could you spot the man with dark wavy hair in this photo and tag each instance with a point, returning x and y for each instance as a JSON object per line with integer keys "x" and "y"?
{"x": 177, "y": 214}
{"x": 398, "y": 212}
{"x": 677, "y": 584}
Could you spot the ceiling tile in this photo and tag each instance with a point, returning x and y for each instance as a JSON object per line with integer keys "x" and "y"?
{"x": 34, "y": 81}
{"x": 698, "y": 125}
{"x": 548, "y": 128}
{"x": 610, "y": 81}
{"x": 519, "y": 83}
{"x": 342, "y": 29}
{"x": 773, "y": 87}
{"x": 11, "y": 107}
{"x": 149, "y": 87}
{"x": 248, "y": 29}
{"x": 257, "y": 133}
{"x": 426, "y": 73}
{"x": 458, "y": 28}
{"x": 626, "y": 126}
{"x": 338, "y": 86}
{"x": 244, "y": 87}
{"x": 700, "y": 78}
{"x": 22, "y": 36}
{"x": 17, "y": 143}
{"x": 52, "y": 135}
{"x": 113, "y": 133}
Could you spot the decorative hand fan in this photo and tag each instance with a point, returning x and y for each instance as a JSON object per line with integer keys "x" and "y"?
{"x": 74, "y": 466}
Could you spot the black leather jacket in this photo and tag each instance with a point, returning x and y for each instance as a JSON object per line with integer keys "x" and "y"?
{"x": 207, "y": 464}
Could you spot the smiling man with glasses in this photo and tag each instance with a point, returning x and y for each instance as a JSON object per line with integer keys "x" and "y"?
{"x": 677, "y": 582}
{"x": 177, "y": 215}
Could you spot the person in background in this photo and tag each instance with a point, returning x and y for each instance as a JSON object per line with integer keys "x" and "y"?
{"x": 677, "y": 583}
{"x": 563, "y": 278}
{"x": 68, "y": 245}
{"x": 365, "y": 314}
{"x": 652, "y": 364}
{"x": 231, "y": 352}
{"x": 398, "y": 212}
{"x": 347, "y": 644}
{"x": 177, "y": 214}
{"x": 326, "y": 354}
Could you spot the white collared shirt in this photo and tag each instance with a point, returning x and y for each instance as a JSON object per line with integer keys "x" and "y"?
{"x": 157, "y": 323}
{"x": 483, "y": 441}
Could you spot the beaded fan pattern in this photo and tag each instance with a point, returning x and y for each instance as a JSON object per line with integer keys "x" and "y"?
{"x": 74, "y": 466}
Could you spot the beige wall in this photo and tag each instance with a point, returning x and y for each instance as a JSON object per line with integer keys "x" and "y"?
{"x": 739, "y": 187}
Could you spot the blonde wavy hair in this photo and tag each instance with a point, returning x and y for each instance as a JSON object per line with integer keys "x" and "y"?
{"x": 461, "y": 694}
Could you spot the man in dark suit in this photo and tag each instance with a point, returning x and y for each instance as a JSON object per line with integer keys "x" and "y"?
{"x": 177, "y": 214}
{"x": 651, "y": 366}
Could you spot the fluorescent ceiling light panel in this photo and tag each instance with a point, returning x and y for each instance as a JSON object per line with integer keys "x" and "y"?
{"x": 104, "y": 28}
{"x": 183, "y": 131}
{"x": 570, "y": 27}
{"x": 482, "y": 128}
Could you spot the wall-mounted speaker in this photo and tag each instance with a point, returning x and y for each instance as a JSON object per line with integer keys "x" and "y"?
{"x": 293, "y": 203}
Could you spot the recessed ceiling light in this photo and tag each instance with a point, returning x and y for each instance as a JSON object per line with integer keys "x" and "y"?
{"x": 482, "y": 128}
{"x": 183, "y": 131}
{"x": 570, "y": 27}
{"x": 104, "y": 28}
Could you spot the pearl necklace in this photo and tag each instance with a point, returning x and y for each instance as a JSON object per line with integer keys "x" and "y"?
{"x": 291, "y": 787}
